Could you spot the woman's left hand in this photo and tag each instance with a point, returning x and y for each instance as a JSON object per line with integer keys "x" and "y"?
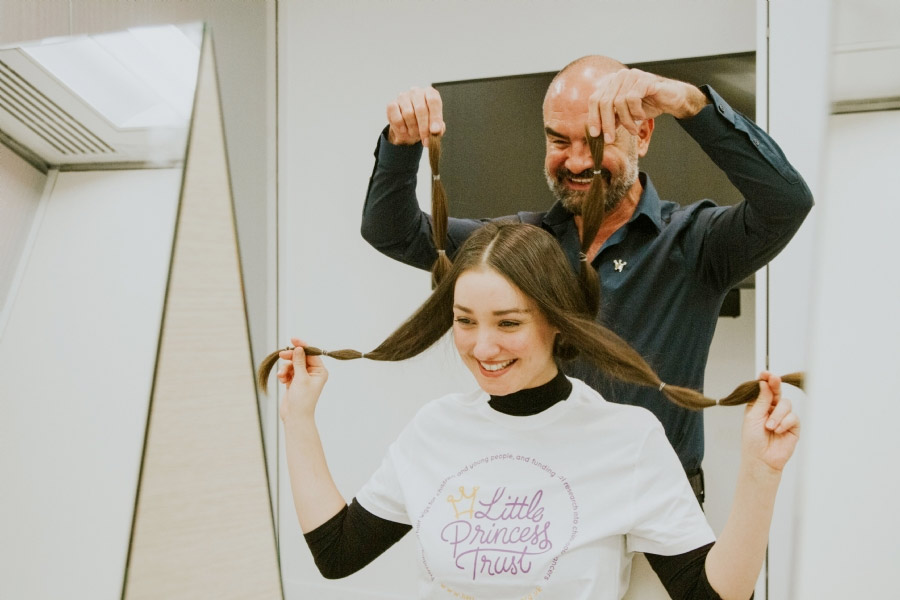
{"x": 771, "y": 428}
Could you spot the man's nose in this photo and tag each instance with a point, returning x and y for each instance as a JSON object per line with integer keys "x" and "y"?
{"x": 579, "y": 158}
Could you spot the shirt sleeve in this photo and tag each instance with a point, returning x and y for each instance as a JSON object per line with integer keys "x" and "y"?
{"x": 351, "y": 539}
{"x": 392, "y": 221}
{"x": 733, "y": 242}
{"x": 667, "y": 518}
{"x": 382, "y": 494}
{"x": 684, "y": 575}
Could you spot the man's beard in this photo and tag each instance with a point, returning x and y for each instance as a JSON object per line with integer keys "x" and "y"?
{"x": 616, "y": 186}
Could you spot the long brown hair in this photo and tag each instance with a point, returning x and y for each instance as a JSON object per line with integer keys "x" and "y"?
{"x": 532, "y": 260}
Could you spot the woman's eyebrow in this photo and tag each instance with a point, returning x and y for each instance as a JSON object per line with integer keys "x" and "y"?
{"x": 497, "y": 313}
{"x": 500, "y": 313}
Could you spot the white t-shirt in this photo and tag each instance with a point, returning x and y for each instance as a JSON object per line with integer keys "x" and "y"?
{"x": 550, "y": 506}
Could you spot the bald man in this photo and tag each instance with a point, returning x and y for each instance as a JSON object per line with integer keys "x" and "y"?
{"x": 664, "y": 269}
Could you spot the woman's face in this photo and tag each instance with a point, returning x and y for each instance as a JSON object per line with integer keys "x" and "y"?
{"x": 500, "y": 334}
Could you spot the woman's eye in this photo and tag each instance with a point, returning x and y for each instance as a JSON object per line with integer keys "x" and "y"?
{"x": 463, "y": 320}
{"x": 508, "y": 324}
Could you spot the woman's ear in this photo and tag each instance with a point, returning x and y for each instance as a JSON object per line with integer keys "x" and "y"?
{"x": 561, "y": 349}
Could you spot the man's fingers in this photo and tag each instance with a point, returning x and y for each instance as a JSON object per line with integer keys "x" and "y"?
{"x": 408, "y": 113}
{"x": 629, "y": 100}
{"x": 607, "y": 107}
{"x": 395, "y": 119}
{"x": 420, "y": 114}
{"x": 435, "y": 111}
{"x": 414, "y": 115}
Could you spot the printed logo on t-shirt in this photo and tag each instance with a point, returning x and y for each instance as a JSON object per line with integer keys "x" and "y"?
{"x": 503, "y": 519}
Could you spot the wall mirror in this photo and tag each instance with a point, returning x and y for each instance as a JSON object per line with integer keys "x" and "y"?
{"x": 496, "y": 125}
{"x": 130, "y": 439}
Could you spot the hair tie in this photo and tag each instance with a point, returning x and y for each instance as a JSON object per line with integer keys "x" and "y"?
{"x": 598, "y": 172}
{"x": 442, "y": 251}
{"x": 582, "y": 257}
{"x": 436, "y": 177}
{"x": 662, "y": 385}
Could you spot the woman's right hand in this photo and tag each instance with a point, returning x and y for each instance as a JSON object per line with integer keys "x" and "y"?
{"x": 304, "y": 377}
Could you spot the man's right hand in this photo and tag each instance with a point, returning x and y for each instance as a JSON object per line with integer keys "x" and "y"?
{"x": 414, "y": 115}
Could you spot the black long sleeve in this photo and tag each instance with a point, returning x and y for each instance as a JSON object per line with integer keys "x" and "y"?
{"x": 351, "y": 539}
{"x": 684, "y": 575}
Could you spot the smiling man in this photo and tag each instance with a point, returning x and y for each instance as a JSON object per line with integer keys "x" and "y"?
{"x": 664, "y": 269}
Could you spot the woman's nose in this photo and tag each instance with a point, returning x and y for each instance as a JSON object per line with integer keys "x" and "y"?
{"x": 485, "y": 346}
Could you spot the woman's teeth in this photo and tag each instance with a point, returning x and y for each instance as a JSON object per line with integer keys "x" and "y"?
{"x": 496, "y": 366}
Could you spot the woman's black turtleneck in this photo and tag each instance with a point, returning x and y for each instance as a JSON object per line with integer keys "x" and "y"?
{"x": 531, "y": 401}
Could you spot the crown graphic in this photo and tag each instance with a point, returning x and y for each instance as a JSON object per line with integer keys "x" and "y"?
{"x": 463, "y": 496}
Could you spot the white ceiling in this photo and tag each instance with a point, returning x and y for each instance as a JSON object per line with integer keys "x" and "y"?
{"x": 51, "y": 125}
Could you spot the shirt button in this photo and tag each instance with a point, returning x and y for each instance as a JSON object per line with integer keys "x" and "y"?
{"x": 722, "y": 108}
{"x": 755, "y": 141}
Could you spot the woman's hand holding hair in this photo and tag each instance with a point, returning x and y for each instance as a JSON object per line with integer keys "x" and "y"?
{"x": 769, "y": 436}
{"x": 771, "y": 428}
{"x": 304, "y": 377}
{"x": 316, "y": 497}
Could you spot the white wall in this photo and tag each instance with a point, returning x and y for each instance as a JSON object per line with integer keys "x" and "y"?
{"x": 796, "y": 89}
{"x": 846, "y": 538}
{"x": 340, "y": 63}
{"x": 21, "y": 186}
{"x": 77, "y": 359}
{"x": 847, "y": 509}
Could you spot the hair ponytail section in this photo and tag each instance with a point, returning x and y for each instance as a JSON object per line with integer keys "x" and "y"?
{"x": 593, "y": 211}
{"x": 439, "y": 213}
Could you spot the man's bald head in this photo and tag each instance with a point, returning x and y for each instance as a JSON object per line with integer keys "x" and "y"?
{"x": 579, "y": 76}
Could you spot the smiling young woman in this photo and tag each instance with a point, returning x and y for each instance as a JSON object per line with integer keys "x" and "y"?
{"x": 502, "y": 508}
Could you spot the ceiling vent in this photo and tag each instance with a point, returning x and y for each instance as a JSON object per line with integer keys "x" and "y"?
{"x": 45, "y": 119}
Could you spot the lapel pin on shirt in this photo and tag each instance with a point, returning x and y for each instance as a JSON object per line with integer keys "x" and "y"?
{"x": 619, "y": 264}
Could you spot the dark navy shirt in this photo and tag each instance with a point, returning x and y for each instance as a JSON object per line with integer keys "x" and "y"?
{"x": 678, "y": 262}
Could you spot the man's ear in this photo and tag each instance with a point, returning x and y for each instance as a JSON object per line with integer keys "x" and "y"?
{"x": 645, "y": 132}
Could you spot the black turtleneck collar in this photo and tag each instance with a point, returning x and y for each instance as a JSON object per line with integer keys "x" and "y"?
{"x": 531, "y": 401}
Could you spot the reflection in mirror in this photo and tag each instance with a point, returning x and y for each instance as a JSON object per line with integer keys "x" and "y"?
{"x": 93, "y": 132}
{"x": 497, "y": 123}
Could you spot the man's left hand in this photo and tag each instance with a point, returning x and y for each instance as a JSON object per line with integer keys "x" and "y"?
{"x": 630, "y": 96}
